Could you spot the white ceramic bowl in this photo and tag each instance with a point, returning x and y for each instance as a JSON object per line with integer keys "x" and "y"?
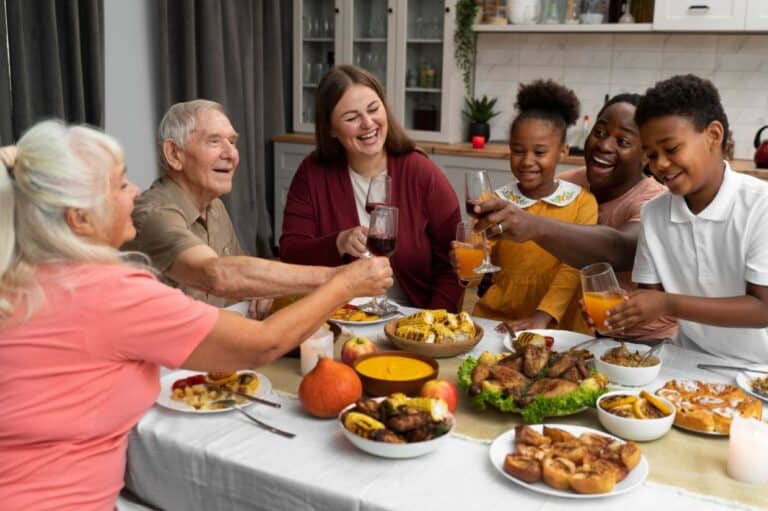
{"x": 592, "y": 18}
{"x": 641, "y": 430}
{"x": 385, "y": 450}
{"x": 624, "y": 375}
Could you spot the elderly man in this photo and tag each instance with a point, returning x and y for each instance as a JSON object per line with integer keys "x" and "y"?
{"x": 183, "y": 226}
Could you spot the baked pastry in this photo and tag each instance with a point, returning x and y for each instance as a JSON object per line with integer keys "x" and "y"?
{"x": 709, "y": 407}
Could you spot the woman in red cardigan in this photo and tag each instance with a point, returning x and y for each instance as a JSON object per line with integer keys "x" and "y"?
{"x": 325, "y": 221}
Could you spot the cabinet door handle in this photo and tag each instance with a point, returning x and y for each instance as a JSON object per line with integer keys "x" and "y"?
{"x": 447, "y": 10}
{"x": 389, "y": 10}
{"x": 336, "y": 10}
{"x": 698, "y": 7}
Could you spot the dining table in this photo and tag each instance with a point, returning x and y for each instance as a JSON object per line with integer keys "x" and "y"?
{"x": 191, "y": 461}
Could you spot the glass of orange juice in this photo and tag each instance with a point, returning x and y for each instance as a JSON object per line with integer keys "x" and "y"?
{"x": 469, "y": 253}
{"x": 601, "y": 292}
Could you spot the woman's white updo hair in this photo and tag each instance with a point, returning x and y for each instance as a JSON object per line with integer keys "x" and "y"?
{"x": 57, "y": 167}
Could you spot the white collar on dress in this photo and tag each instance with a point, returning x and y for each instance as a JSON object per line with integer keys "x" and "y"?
{"x": 565, "y": 193}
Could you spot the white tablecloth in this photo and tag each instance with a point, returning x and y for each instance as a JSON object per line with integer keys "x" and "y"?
{"x": 223, "y": 461}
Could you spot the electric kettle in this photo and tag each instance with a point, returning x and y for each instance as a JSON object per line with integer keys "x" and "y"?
{"x": 761, "y": 153}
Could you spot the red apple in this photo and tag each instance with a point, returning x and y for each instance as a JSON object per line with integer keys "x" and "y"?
{"x": 442, "y": 389}
{"x": 355, "y": 347}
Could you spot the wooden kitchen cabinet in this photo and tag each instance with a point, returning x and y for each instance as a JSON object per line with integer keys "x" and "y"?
{"x": 407, "y": 44}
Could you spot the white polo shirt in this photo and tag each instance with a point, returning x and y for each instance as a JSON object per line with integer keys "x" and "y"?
{"x": 712, "y": 254}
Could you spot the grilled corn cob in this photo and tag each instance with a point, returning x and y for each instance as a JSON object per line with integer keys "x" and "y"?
{"x": 420, "y": 333}
{"x": 436, "y": 408}
{"x": 361, "y": 424}
{"x": 443, "y": 334}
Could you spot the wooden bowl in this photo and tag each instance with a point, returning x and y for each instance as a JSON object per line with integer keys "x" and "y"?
{"x": 383, "y": 387}
{"x": 336, "y": 329}
{"x": 431, "y": 349}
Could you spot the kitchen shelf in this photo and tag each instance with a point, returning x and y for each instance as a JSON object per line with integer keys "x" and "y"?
{"x": 423, "y": 89}
{"x": 563, "y": 27}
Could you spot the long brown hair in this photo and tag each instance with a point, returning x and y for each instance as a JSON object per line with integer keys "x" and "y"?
{"x": 330, "y": 90}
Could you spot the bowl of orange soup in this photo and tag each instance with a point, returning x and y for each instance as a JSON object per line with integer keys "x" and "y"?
{"x": 386, "y": 372}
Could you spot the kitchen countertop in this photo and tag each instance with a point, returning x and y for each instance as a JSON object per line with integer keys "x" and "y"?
{"x": 501, "y": 152}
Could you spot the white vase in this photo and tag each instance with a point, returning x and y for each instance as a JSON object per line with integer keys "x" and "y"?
{"x": 523, "y": 12}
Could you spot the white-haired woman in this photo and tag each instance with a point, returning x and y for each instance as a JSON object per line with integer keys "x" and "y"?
{"x": 82, "y": 335}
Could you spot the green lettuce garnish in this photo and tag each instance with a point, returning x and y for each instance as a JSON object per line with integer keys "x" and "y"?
{"x": 534, "y": 412}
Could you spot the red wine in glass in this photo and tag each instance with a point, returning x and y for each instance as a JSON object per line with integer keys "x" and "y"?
{"x": 381, "y": 246}
{"x": 370, "y": 206}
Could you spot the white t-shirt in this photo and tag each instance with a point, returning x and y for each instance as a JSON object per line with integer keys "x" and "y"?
{"x": 712, "y": 254}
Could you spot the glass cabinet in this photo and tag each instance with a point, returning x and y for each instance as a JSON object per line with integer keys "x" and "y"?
{"x": 407, "y": 44}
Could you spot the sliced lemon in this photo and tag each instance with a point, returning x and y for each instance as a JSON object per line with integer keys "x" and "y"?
{"x": 616, "y": 401}
{"x": 656, "y": 402}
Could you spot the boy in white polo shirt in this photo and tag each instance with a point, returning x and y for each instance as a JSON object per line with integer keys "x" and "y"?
{"x": 702, "y": 255}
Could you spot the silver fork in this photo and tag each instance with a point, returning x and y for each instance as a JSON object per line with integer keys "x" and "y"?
{"x": 650, "y": 353}
{"x": 231, "y": 403}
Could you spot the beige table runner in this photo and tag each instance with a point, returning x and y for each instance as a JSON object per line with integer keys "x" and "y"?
{"x": 687, "y": 460}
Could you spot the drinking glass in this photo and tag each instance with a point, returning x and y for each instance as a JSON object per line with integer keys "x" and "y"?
{"x": 379, "y": 193}
{"x": 601, "y": 292}
{"x": 477, "y": 189}
{"x": 382, "y": 241}
{"x": 469, "y": 253}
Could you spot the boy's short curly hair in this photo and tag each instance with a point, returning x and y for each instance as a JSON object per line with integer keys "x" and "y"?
{"x": 689, "y": 96}
{"x": 548, "y": 100}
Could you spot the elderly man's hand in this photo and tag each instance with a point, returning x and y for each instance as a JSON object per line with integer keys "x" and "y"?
{"x": 260, "y": 308}
{"x": 369, "y": 276}
{"x": 500, "y": 219}
{"x": 352, "y": 241}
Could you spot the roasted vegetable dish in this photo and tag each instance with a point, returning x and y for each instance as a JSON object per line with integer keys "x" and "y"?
{"x": 351, "y": 312}
{"x": 436, "y": 326}
{"x": 203, "y": 391}
{"x": 590, "y": 463}
{"x": 644, "y": 406}
{"x": 399, "y": 419}
{"x": 760, "y": 386}
{"x": 535, "y": 381}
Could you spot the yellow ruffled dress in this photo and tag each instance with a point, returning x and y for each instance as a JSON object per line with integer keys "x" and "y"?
{"x": 531, "y": 278}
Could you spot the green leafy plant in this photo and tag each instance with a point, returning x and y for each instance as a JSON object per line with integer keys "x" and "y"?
{"x": 480, "y": 110}
{"x": 464, "y": 40}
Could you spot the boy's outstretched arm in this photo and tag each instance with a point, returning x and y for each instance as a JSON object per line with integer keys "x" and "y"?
{"x": 746, "y": 311}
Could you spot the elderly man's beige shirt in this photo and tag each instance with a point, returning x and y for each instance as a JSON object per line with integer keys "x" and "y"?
{"x": 168, "y": 223}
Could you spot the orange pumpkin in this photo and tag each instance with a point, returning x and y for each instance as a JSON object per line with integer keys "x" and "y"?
{"x": 328, "y": 388}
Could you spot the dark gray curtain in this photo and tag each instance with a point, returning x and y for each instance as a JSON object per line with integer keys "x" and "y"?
{"x": 231, "y": 51}
{"x": 51, "y": 63}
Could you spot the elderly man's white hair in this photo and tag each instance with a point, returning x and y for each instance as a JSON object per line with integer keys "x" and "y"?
{"x": 179, "y": 122}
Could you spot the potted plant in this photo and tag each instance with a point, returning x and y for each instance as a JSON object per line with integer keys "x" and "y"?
{"x": 480, "y": 111}
{"x": 464, "y": 40}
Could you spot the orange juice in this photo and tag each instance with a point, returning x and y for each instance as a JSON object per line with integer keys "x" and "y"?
{"x": 469, "y": 258}
{"x": 598, "y": 303}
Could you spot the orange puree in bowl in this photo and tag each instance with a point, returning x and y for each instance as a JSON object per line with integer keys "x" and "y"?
{"x": 394, "y": 368}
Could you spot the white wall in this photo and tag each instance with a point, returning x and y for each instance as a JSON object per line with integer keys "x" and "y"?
{"x": 131, "y": 83}
{"x": 597, "y": 64}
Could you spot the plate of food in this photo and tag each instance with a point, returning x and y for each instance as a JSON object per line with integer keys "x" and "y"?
{"x": 569, "y": 461}
{"x": 397, "y": 426}
{"x": 535, "y": 381}
{"x": 559, "y": 340}
{"x": 755, "y": 384}
{"x": 351, "y": 315}
{"x": 434, "y": 333}
{"x": 196, "y": 392}
{"x": 708, "y": 408}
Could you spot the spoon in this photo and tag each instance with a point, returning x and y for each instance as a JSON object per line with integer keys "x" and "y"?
{"x": 231, "y": 403}
{"x": 650, "y": 353}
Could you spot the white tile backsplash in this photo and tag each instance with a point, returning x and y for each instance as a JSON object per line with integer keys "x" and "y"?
{"x": 597, "y": 64}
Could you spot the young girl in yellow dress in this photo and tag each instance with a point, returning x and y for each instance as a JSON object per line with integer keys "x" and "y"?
{"x": 533, "y": 288}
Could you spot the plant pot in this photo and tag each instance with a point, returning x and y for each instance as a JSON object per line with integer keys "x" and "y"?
{"x": 480, "y": 128}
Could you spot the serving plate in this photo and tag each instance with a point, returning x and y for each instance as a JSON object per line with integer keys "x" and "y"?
{"x": 564, "y": 339}
{"x": 744, "y": 379}
{"x": 166, "y": 383}
{"x": 504, "y": 444}
{"x": 431, "y": 349}
{"x": 360, "y": 301}
{"x": 397, "y": 451}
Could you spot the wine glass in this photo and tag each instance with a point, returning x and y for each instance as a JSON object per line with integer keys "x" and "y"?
{"x": 379, "y": 193}
{"x": 382, "y": 241}
{"x": 477, "y": 189}
{"x": 469, "y": 253}
{"x": 601, "y": 292}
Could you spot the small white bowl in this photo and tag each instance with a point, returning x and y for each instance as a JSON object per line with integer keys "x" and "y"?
{"x": 592, "y": 18}
{"x": 386, "y": 450}
{"x": 641, "y": 430}
{"x": 625, "y": 375}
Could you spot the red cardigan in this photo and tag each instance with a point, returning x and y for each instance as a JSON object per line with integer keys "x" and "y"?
{"x": 320, "y": 204}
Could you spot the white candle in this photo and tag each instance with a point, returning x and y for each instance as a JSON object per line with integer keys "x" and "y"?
{"x": 319, "y": 344}
{"x": 748, "y": 451}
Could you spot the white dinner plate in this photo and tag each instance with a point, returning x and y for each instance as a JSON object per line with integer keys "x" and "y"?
{"x": 743, "y": 380}
{"x": 505, "y": 443}
{"x": 564, "y": 339}
{"x": 360, "y": 301}
{"x": 166, "y": 382}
